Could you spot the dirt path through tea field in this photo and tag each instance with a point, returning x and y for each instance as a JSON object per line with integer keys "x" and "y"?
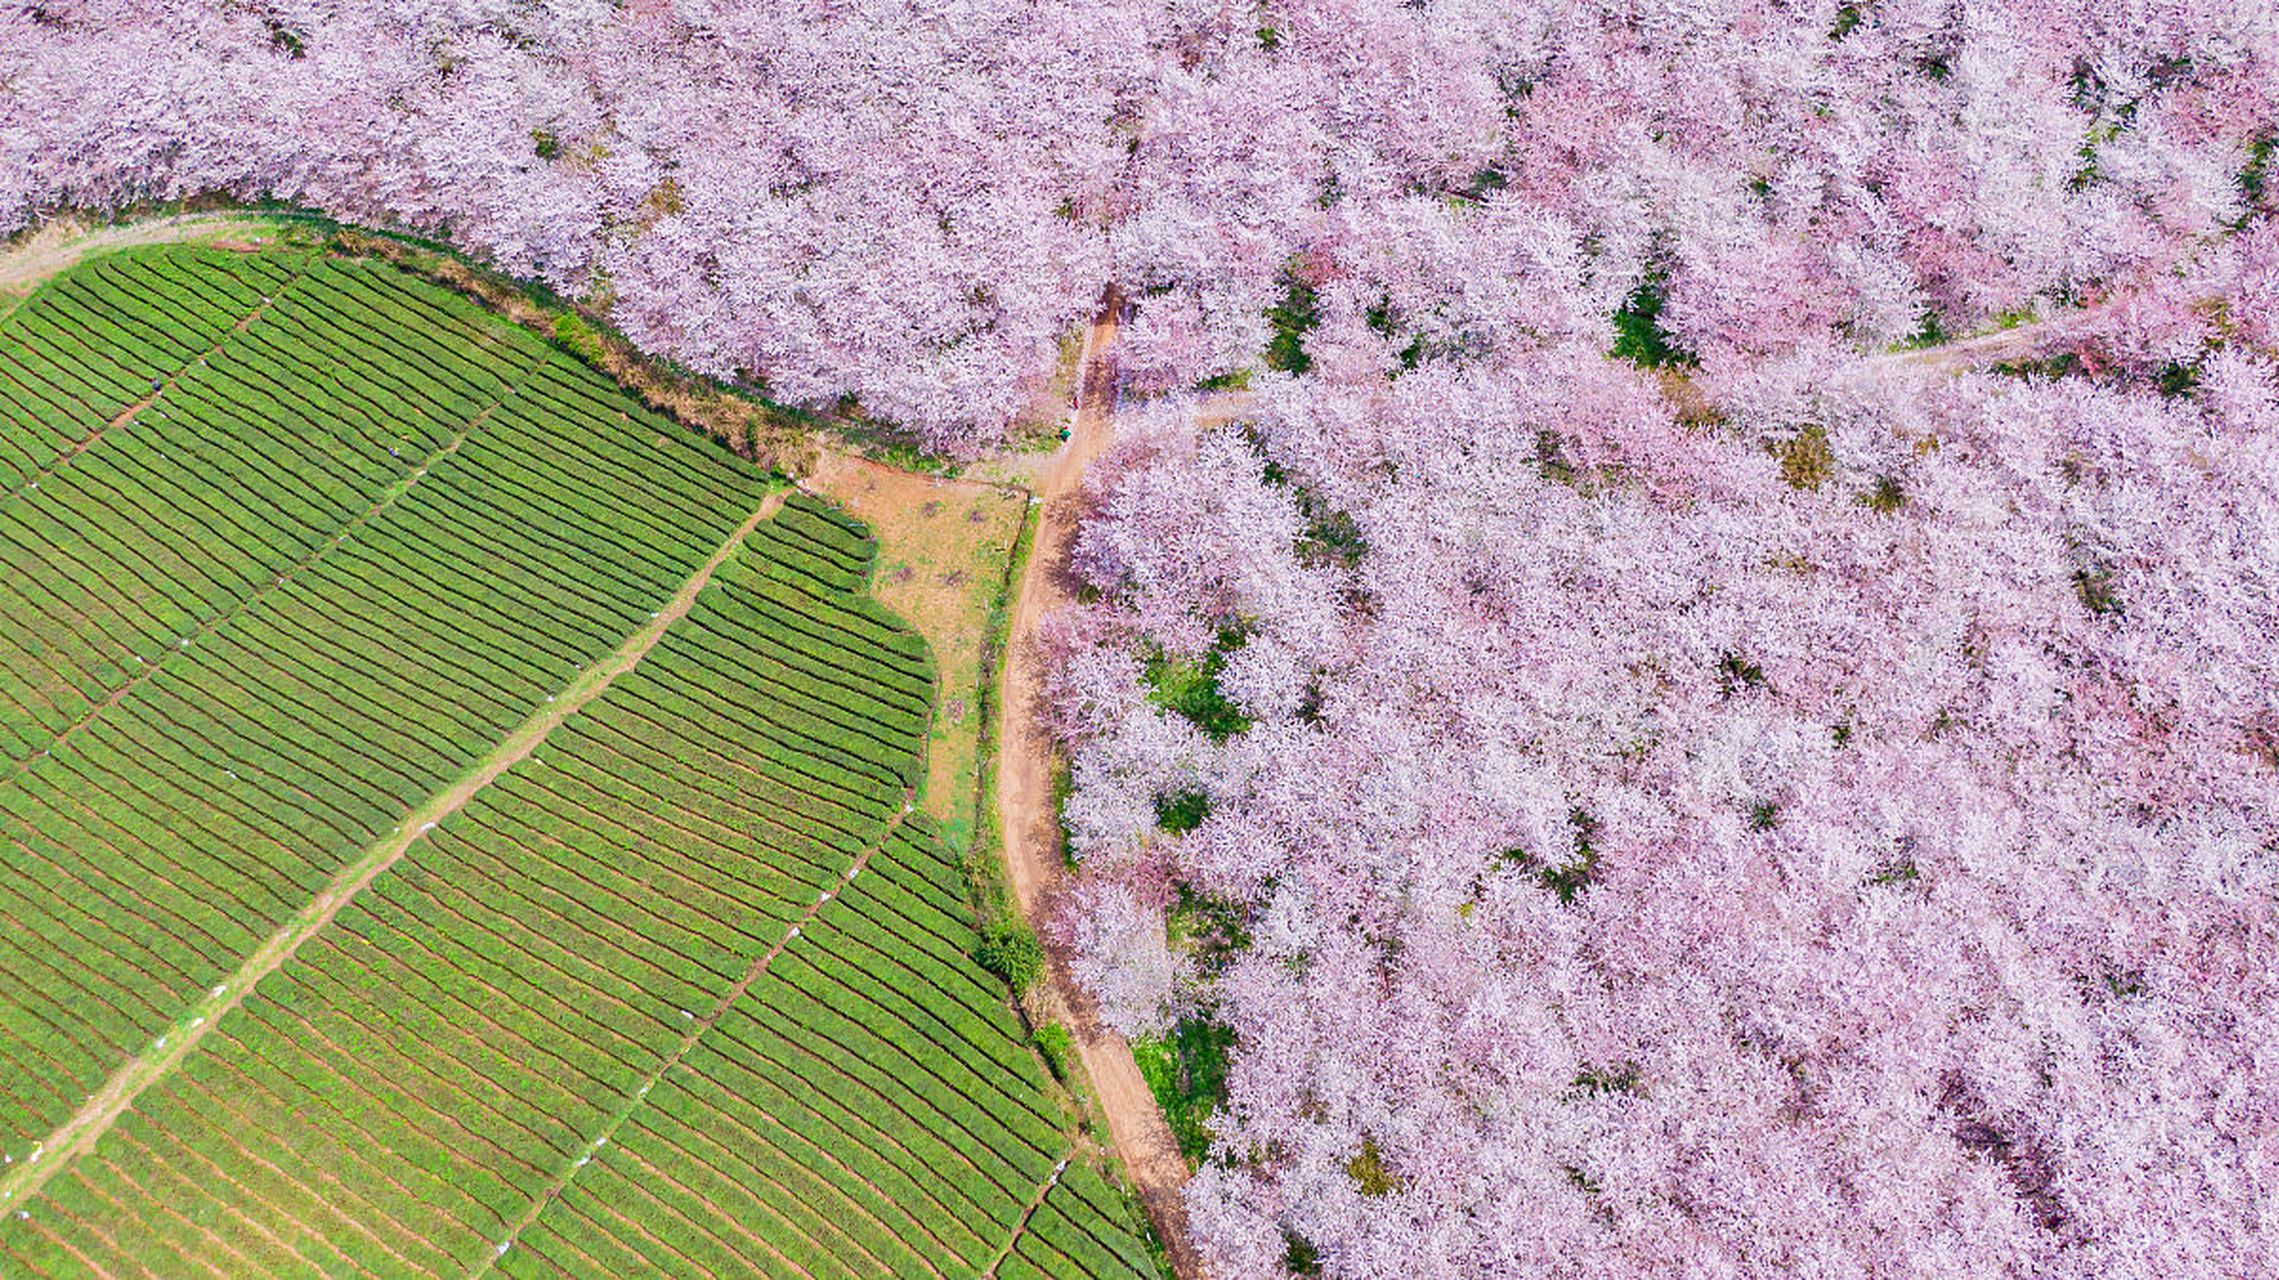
{"x": 1025, "y": 806}
{"x": 25, "y": 264}
{"x": 79, "y": 1134}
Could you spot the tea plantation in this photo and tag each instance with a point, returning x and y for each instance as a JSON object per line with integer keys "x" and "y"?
{"x": 295, "y": 549}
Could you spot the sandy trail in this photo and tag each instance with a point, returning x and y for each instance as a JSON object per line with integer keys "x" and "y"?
{"x": 24, "y": 265}
{"x": 1025, "y": 810}
{"x": 1961, "y": 355}
{"x": 79, "y": 1134}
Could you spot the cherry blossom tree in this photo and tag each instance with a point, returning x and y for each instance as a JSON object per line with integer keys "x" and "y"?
{"x": 1772, "y": 175}
{"x": 908, "y": 208}
{"x": 1836, "y": 841}
{"x": 861, "y": 202}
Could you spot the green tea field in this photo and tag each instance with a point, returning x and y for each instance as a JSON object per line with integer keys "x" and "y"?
{"x": 455, "y": 822}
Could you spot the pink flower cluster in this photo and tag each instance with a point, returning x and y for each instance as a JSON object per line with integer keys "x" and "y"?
{"x": 1662, "y": 869}
{"x": 1802, "y": 808}
{"x": 869, "y": 200}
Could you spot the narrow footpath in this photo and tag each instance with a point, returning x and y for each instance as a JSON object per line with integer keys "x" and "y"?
{"x": 1025, "y": 809}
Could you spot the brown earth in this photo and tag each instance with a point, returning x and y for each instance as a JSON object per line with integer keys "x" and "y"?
{"x": 1033, "y": 862}
{"x": 945, "y": 552}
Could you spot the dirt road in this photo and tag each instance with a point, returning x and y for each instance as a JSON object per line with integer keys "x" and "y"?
{"x": 57, "y": 245}
{"x": 1025, "y": 809}
{"x": 2024, "y": 342}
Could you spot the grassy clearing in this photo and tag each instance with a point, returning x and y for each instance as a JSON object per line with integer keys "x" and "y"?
{"x": 946, "y": 550}
{"x": 1187, "y": 1072}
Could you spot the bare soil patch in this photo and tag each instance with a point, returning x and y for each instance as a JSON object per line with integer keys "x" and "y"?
{"x": 945, "y": 551}
{"x": 1031, "y": 827}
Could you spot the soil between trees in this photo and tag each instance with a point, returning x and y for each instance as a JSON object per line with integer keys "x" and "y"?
{"x": 1033, "y": 864}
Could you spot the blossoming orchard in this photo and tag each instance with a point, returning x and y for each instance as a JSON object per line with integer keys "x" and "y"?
{"x": 1671, "y": 668}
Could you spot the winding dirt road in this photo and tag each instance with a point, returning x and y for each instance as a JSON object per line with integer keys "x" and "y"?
{"x": 1025, "y": 809}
